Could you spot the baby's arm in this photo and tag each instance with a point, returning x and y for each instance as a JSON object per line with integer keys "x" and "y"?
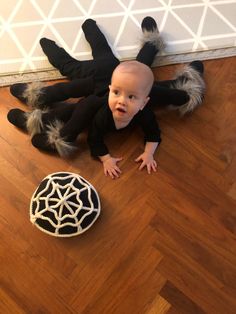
{"x": 152, "y": 138}
{"x": 110, "y": 165}
{"x": 100, "y": 126}
{"x": 147, "y": 158}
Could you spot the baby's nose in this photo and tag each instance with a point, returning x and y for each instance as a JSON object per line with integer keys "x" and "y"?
{"x": 122, "y": 100}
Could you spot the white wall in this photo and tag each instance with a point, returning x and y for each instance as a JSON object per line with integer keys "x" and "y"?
{"x": 187, "y": 26}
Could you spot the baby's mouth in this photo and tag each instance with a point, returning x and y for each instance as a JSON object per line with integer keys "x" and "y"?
{"x": 121, "y": 110}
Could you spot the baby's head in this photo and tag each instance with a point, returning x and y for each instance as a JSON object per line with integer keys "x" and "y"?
{"x": 131, "y": 83}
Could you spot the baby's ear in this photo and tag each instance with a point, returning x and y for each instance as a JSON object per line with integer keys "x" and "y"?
{"x": 109, "y": 87}
{"x": 145, "y": 102}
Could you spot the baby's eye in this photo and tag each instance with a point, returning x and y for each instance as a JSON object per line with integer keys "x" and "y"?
{"x": 132, "y": 97}
{"x": 115, "y": 92}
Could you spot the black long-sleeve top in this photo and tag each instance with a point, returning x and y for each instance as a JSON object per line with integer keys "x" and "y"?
{"x": 103, "y": 123}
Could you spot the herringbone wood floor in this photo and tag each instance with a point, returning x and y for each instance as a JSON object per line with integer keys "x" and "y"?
{"x": 165, "y": 242}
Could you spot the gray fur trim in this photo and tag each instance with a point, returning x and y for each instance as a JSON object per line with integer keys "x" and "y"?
{"x": 155, "y": 39}
{"x": 54, "y": 138}
{"x": 194, "y": 85}
{"x": 32, "y": 93}
{"x": 34, "y": 122}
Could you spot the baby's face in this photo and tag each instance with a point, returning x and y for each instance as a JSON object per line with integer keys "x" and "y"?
{"x": 127, "y": 96}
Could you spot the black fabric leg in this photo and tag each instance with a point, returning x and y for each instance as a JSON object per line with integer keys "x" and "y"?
{"x": 96, "y": 39}
{"x": 81, "y": 117}
{"x": 147, "y": 54}
{"x": 72, "y": 68}
{"x": 153, "y": 42}
{"x": 18, "y": 118}
{"x": 17, "y": 90}
{"x": 40, "y": 141}
{"x": 166, "y": 83}
{"x": 100, "y": 68}
{"x": 59, "y": 58}
{"x": 161, "y": 95}
{"x": 67, "y": 65}
{"x": 50, "y": 140}
{"x": 64, "y": 90}
{"x": 62, "y": 112}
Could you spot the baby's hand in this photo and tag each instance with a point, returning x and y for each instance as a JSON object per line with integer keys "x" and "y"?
{"x": 147, "y": 161}
{"x": 110, "y": 167}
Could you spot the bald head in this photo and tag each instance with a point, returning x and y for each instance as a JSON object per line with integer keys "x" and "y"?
{"x": 139, "y": 70}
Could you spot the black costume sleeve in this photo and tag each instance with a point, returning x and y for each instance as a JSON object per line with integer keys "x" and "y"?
{"x": 102, "y": 123}
{"x": 147, "y": 120}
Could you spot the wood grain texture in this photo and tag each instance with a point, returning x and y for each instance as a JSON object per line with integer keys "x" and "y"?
{"x": 164, "y": 243}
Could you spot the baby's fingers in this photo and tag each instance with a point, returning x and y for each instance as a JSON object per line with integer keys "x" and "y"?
{"x": 143, "y": 164}
{"x": 138, "y": 158}
{"x": 114, "y": 173}
{"x": 154, "y": 166}
{"x": 119, "y": 159}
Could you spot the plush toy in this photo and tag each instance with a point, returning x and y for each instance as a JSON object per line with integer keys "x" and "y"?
{"x": 64, "y": 205}
{"x": 55, "y": 129}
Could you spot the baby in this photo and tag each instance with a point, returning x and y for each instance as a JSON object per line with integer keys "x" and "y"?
{"x": 104, "y": 108}
{"x": 128, "y": 96}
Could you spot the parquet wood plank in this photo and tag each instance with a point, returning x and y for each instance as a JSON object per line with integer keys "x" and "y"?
{"x": 164, "y": 243}
{"x": 8, "y": 304}
{"x": 173, "y": 310}
{"x": 159, "y": 306}
{"x": 23, "y": 286}
{"x": 134, "y": 277}
{"x": 182, "y": 237}
{"x": 114, "y": 249}
{"x": 194, "y": 285}
{"x": 182, "y": 210}
{"x": 179, "y": 300}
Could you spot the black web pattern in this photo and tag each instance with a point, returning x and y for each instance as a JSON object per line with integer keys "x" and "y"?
{"x": 64, "y": 204}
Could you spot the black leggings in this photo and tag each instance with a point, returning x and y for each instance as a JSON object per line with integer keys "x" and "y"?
{"x": 90, "y": 79}
{"x": 76, "y": 117}
{"x": 90, "y": 76}
{"x": 93, "y": 76}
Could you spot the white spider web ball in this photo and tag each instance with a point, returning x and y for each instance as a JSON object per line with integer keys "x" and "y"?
{"x": 64, "y": 205}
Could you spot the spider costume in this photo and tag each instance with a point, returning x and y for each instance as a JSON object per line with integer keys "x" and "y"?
{"x": 56, "y": 128}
